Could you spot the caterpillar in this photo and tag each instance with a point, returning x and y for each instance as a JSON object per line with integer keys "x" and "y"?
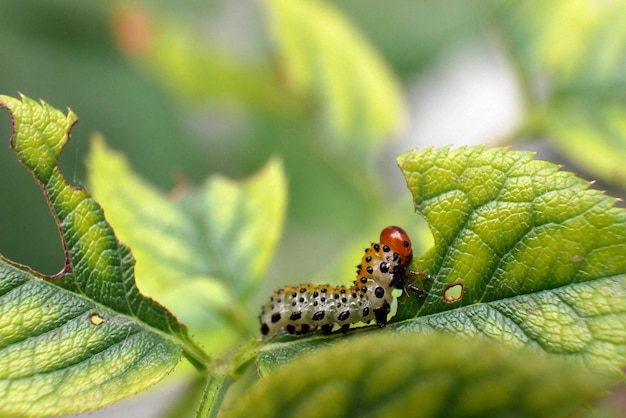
{"x": 302, "y": 309}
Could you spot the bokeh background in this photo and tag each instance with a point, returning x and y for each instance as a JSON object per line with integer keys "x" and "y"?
{"x": 188, "y": 89}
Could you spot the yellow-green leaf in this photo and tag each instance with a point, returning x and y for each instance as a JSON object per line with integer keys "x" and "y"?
{"x": 524, "y": 253}
{"x": 322, "y": 54}
{"x": 204, "y": 253}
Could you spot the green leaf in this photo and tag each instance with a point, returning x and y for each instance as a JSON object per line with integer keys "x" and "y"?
{"x": 566, "y": 39}
{"x": 524, "y": 254}
{"x": 85, "y": 337}
{"x": 592, "y": 133}
{"x": 196, "y": 70}
{"x": 428, "y": 376}
{"x": 202, "y": 254}
{"x": 578, "y": 50}
{"x": 321, "y": 53}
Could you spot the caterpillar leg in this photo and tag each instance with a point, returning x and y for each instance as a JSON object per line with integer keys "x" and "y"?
{"x": 381, "y": 314}
{"x": 411, "y": 287}
{"x": 326, "y": 329}
{"x": 399, "y": 280}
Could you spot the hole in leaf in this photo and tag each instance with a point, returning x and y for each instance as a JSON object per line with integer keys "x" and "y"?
{"x": 96, "y": 319}
{"x": 453, "y": 293}
{"x": 577, "y": 258}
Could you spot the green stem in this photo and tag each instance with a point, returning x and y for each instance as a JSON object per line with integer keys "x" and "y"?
{"x": 214, "y": 392}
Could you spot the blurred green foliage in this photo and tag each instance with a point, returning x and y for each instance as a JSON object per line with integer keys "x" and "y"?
{"x": 452, "y": 378}
{"x": 209, "y": 94}
{"x": 203, "y": 254}
{"x": 185, "y": 90}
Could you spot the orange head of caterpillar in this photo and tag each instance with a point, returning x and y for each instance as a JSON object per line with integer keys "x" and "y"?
{"x": 398, "y": 240}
